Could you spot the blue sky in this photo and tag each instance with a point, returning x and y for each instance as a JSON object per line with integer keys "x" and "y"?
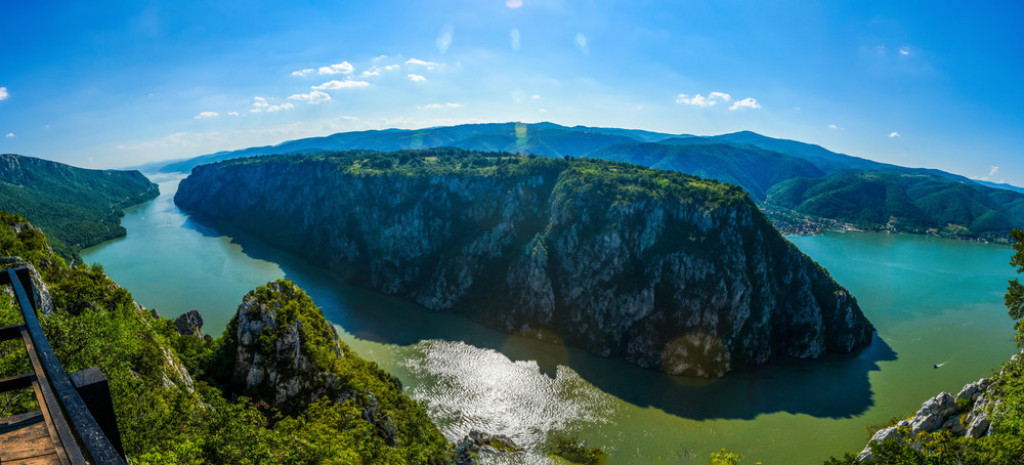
{"x": 106, "y": 84}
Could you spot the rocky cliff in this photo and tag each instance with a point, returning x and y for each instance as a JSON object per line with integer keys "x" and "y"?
{"x": 670, "y": 271}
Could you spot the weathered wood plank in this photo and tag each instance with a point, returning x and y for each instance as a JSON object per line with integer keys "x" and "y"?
{"x": 30, "y": 441}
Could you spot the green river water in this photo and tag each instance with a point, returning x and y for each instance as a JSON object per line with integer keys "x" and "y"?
{"x": 933, "y": 301}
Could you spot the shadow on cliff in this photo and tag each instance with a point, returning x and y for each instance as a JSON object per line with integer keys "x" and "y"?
{"x": 836, "y": 386}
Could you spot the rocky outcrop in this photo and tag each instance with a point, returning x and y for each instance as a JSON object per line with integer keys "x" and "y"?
{"x": 965, "y": 414}
{"x": 272, "y": 352}
{"x": 189, "y": 324}
{"x": 672, "y": 272}
{"x": 478, "y": 442}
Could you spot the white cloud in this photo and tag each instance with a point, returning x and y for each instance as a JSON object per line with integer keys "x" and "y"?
{"x": 372, "y": 72}
{"x": 542, "y": 110}
{"x": 232, "y": 113}
{"x": 313, "y": 98}
{"x": 894, "y": 135}
{"x": 444, "y": 39}
{"x": 337, "y": 68}
{"x": 283, "y": 106}
{"x": 9, "y": 135}
{"x": 434, "y": 106}
{"x": 748, "y": 102}
{"x": 416, "y": 78}
{"x": 513, "y": 38}
{"x": 535, "y": 97}
{"x": 3, "y": 93}
{"x": 391, "y": 67}
{"x": 905, "y": 51}
{"x": 333, "y": 85}
{"x": 206, "y": 114}
{"x": 418, "y": 62}
{"x": 514, "y": 3}
{"x": 992, "y": 172}
{"x": 719, "y": 96}
{"x": 303, "y": 72}
{"x": 260, "y": 104}
{"x": 581, "y": 43}
{"x": 832, "y": 126}
{"x": 704, "y": 102}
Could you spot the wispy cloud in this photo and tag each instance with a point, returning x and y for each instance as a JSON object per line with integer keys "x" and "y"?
{"x": 905, "y": 51}
{"x": 337, "y": 68}
{"x": 9, "y": 135}
{"x": 313, "y": 98}
{"x": 747, "y": 103}
{"x": 283, "y": 106}
{"x": 991, "y": 176}
{"x": 334, "y": 85}
{"x": 416, "y": 78}
{"x": 391, "y": 67}
{"x": 3, "y": 93}
{"x": 514, "y": 3}
{"x": 434, "y": 106}
{"x": 206, "y": 114}
{"x": 444, "y": 39}
{"x": 581, "y": 43}
{"x": 303, "y": 72}
{"x": 232, "y": 113}
{"x": 418, "y": 62}
{"x": 699, "y": 100}
{"x": 535, "y": 97}
{"x": 894, "y": 135}
{"x": 832, "y": 126}
{"x": 513, "y": 38}
{"x": 260, "y": 104}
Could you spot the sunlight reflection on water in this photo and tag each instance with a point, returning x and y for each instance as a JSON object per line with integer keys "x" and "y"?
{"x": 471, "y": 388}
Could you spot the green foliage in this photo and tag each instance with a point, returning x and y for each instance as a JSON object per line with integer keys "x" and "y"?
{"x": 166, "y": 416}
{"x": 754, "y": 169}
{"x": 76, "y": 207}
{"x": 724, "y": 457}
{"x": 904, "y": 200}
{"x": 576, "y": 451}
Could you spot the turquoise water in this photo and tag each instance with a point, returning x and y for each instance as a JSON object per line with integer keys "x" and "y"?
{"x": 931, "y": 300}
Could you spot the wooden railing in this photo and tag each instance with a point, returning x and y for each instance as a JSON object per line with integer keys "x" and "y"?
{"x": 77, "y": 436}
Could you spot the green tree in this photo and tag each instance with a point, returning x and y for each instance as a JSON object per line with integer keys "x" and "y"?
{"x": 1015, "y": 291}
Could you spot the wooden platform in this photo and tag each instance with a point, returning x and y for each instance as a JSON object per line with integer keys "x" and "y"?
{"x": 25, "y": 439}
{"x": 64, "y": 430}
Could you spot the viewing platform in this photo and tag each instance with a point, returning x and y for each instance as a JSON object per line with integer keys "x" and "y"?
{"x": 75, "y": 423}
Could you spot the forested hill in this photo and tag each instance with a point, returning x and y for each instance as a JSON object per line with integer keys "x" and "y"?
{"x": 671, "y": 271}
{"x": 752, "y": 161}
{"x": 76, "y": 207}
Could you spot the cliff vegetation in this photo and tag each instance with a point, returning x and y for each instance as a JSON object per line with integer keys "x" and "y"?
{"x": 175, "y": 396}
{"x": 77, "y": 208}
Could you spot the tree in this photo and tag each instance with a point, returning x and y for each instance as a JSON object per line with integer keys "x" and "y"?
{"x": 1015, "y": 290}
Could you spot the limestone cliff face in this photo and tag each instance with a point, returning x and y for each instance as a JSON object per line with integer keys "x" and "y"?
{"x": 670, "y": 271}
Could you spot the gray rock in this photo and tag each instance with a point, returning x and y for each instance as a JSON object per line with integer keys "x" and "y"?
{"x": 189, "y": 324}
{"x": 942, "y": 412}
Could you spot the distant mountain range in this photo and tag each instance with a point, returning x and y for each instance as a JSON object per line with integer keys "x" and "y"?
{"x": 803, "y": 179}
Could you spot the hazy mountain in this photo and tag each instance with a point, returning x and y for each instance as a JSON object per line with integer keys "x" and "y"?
{"x": 751, "y": 168}
{"x": 546, "y": 139}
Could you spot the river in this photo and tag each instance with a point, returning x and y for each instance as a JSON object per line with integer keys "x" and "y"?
{"x": 933, "y": 301}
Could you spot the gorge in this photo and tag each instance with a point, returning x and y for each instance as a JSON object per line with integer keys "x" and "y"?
{"x": 673, "y": 272}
